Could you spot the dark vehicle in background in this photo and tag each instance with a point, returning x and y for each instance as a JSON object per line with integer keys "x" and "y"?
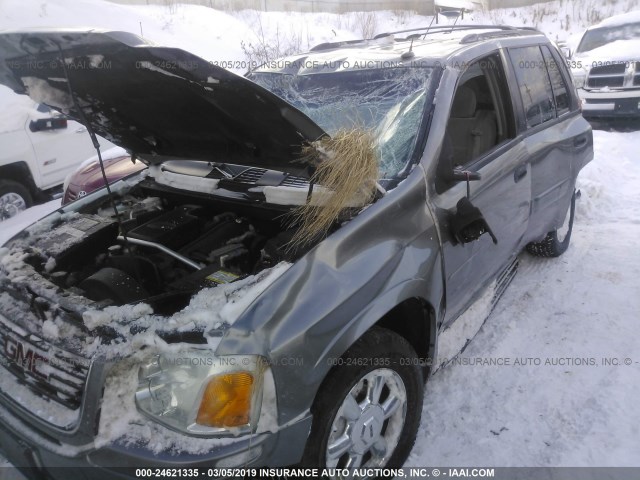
{"x": 606, "y": 68}
{"x": 188, "y": 331}
{"x": 88, "y": 177}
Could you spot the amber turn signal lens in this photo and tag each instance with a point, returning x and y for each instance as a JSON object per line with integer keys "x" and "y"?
{"x": 226, "y": 401}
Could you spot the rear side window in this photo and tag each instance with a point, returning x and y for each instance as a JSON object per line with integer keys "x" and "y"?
{"x": 534, "y": 84}
{"x": 558, "y": 85}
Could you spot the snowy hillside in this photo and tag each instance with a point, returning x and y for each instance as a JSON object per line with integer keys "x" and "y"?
{"x": 232, "y": 37}
{"x": 567, "y": 327}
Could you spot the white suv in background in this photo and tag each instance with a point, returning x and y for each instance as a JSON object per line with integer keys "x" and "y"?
{"x": 39, "y": 147}
{"x": 606, "y": 68}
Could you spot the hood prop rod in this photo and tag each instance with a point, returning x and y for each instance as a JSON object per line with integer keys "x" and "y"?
{"x": 96, "y": 145}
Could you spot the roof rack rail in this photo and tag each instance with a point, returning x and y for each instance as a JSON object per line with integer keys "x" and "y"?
{"x": 440, "y": 28}
{"x": 476, "y": 37}
{"x": 507, "y": 29}
{"x": 330, "y": 45}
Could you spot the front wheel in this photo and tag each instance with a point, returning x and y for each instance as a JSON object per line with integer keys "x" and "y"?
{"x": 368, "y": 410}
{"x": 14, "y": 198}
{"x": 557, "y": 241}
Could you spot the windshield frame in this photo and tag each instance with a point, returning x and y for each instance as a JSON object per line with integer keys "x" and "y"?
{"x": 422, "y": 125}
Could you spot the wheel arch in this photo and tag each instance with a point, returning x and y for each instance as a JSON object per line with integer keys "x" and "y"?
{"x": 403, "y": 309}
{"x": 19, "y": 172}
{"x": 380, "y": 334}
{"x": 414, "y": 319}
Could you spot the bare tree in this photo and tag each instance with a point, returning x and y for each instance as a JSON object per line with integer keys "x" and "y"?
{"x": 365, "y": 23}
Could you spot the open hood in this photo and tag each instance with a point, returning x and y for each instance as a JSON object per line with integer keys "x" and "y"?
{"x": 156, "y": 102}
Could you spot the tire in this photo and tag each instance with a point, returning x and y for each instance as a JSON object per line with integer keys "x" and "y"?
{"x": 14, "y": 198}
{"x": 348, "y": 413}
{"x": 557, "y": 241}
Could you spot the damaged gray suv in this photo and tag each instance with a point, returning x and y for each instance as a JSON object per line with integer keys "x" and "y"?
{"x": 296, "y": 260}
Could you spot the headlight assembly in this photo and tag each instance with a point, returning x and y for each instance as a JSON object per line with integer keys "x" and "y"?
{"x": 579, "y": 75}
{"x": 201, "y": 394}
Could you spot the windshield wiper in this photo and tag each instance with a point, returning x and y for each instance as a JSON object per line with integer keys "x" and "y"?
{"x": 221, "y": 168}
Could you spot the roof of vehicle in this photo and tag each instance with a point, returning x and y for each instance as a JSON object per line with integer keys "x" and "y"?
{"x": 616, "y": 20}
{"x": 415, "y": 47}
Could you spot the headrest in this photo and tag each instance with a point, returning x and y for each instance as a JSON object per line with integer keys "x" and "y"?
{"x": 464, "y": 103}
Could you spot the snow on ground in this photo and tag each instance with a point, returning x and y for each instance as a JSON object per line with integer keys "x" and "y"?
{"x": 555, "y": 403}
{"x": 547, "y": 399}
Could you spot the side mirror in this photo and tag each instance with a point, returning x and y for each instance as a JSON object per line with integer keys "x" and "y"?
{"x": 566, "y": 51}
{"x": 459, "y": 175}
{"x": 468, "y": 223}
{"x": 44, "y": 124}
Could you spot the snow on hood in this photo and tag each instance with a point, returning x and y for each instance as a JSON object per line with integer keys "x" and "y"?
{"x": 138, "y": 337}
{"x": 617, "y": 20}
{"x": 109, "y": 154}
{"x": 210, "y": 309}
{"x": 156, "y": 101}
{"x": 618, "y": 51}
{"x": 135, "y": 325}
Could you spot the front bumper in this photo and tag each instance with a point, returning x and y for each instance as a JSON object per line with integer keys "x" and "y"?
{"x": 35, "y": 461}
{"x": 612, "y": 104}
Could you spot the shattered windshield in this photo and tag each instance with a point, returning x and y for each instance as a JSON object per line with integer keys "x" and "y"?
{"x": 389, "y": 102}
{"x": 601, "y": 36}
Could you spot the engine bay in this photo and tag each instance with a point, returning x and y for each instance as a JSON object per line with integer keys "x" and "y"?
{"x": 160, "y": 251}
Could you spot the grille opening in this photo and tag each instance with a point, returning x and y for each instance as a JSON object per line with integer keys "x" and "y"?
{"x": 607, "y": 76}
{"x": 253, "y": 175}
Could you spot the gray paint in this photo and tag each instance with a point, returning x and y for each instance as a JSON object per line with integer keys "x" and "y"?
{"x": 397, "y": 249}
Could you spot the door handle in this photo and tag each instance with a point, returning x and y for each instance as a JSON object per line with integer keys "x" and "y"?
{"x": 520, "y": 173}
{"x": 580, "y": 142}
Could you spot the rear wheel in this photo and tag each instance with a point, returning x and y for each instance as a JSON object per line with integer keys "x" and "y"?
{"x": 368, "y": 410}
{"x": 557, "y": 241}
{"x": 14, "y": 198}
